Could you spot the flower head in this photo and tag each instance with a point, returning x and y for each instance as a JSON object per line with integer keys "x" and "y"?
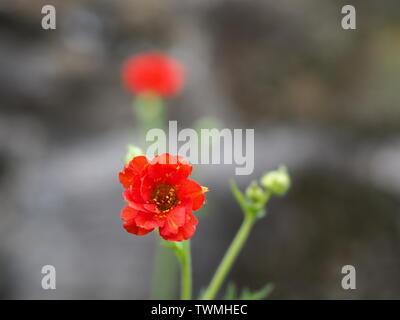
{"x": 160, "y": 195}
{"x": 153, "y": 73}
{"x": 254, "y": 192}
{"x": 278, "y": 181}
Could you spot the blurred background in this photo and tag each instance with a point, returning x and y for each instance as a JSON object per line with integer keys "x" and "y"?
{"x": 323, "y": 100}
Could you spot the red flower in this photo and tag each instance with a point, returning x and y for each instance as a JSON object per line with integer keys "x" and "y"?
{"x": 153, "y": 73}
{"x": 160, "y": 195}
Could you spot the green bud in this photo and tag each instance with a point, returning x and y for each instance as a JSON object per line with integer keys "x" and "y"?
{"x": 277, "y": 182}
{"x": 254, "y": 192}
{"x": 132, "y": 153}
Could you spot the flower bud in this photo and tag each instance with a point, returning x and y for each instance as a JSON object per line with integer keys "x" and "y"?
{"x": 132, "y": 153}
{"x": 254, "y": 192}
{"x": 277, "y": 182}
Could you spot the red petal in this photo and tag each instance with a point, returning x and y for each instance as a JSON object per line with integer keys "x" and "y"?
{"x": 147, "y": 187}
{"x": 184, "y": 233}
{"x": 192, "y": 190}
{"x": 175, "y": 219}
{"x": 128, "y": 213}
{"x": 153, "y": 72}
{"x": 131, "y": 173}
{"x": 138, "y": 164}
{"x": 131, "y": 227}
{"x": 169, "y": 169}
{"x": 148, "y": 220}
{"x": 132, "y": 195}
{"x": 147, "y": 207}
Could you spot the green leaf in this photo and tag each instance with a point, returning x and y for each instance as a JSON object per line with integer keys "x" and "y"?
{"x": 260, "y": 294}
{"x": 240, "y": 198}
{"x": 247, "y": 294}
{"x": 230, "y": 293}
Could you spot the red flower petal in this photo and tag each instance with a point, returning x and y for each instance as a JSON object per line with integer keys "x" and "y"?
{"x": 143, "y": 219}
{"x": 192, "y": 190}
{"x": 132, "y": 195}
{"x": 174, "y": 219}
{"x": 153, "y": 72}
{"x": 145, "y": 207}
{"x": 147, "y": 187}
{"x": 149, "y": 220}
{"x": 131, "y": 173}
{"x": 169, "y": 169}
{"x": 184, "y": 232}
{"x": 129, "y": 214}
{"x": 131, "y": 227}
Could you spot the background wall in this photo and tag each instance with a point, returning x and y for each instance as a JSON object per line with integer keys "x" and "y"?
{"x": 322, "y": 100}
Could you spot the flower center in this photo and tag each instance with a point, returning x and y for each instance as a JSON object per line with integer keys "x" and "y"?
{"x": 164, "y": 196}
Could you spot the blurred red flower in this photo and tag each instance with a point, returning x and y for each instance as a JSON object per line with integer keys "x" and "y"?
{"x": 160, "y": 195}
{"x": 153, "y": 73}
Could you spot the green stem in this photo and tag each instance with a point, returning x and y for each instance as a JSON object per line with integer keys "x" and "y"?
{"x": 165, "y": 273}
{"x": 186, "y": 266}
{"x": 229, "y": 257}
